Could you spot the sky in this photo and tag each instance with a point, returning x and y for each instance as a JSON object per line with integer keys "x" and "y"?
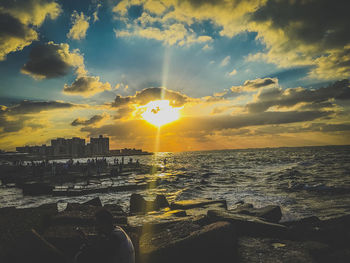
{"x": 241, "y": 74}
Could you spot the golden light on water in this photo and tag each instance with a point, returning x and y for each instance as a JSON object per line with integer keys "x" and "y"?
{"x": 160, "y": 112}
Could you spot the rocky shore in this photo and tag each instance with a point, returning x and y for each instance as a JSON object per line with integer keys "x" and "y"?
{"x": 182, "y": 231}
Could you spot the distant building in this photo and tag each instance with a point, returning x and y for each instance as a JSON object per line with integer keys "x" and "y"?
{"x": 36, "y": 150}
{"x": 76, "y": 147}
{"x": 59, "y": 147}
{"x": 99, "y": 146}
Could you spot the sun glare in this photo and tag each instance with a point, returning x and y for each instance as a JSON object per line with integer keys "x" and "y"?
{"x": 159, "y": 112}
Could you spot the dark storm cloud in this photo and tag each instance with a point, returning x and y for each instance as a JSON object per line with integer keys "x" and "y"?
{"x": 83, "y": 122}
{"x": 123, "y": 112}
{"x": 321, "y": 22}
{"x": 18, "y": 117}
{"x": 28, "y": 107}
{"x": 11, "y": 27}
{"x": 197, "y": 125}
{"x": 259, "y": 83}
{"x": 46, "y": 61}
{"x": 12, "y": 125}
{"x": 267, "y": 98}
{"x": 313, "y": 127}
{"x": 19, "y": 21}
{"x": 146, "y": 95}
{"x": 248, "y": 86}
{"x": 197, "y": 3}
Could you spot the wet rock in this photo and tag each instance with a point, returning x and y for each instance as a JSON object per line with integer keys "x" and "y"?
{"x": 189, "y": 204}
{"x": 161, "y": 201}
{"x": 256, "y": 250}
{"x": 15, "y": 223}
{"x": 139, "y": 205}
{"x": 84, "y": 215}
{"x": 336, "y": 231}
{"x": 155, "y": 221}
{"x": 95, "y": 202}
{"x": 187, "y": 242}
{"x": 116, "y": 210}
{"x": 66, "y": 238}
{"x": 32, "y": 248}
{"x": 76, "y": 217}
{"x": 271, "y": 213}
{"x": 34, "y": 188}
{"x": 248, "y": 225}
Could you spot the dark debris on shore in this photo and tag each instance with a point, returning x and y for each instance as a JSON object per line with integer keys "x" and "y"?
{"x": 183, "y": 231}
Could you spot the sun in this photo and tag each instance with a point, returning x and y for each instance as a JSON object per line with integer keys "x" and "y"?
{"x": 159, "y": 112}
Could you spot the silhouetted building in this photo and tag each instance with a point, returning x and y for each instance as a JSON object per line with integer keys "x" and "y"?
{"x": 59, "y": 147}
{"x": 127, "y": 151}
{"x": 99, "y": 146}
{"x": 74, "y": 147}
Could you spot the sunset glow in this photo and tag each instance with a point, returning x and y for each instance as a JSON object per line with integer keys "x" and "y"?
{"x": 159, "y": 112}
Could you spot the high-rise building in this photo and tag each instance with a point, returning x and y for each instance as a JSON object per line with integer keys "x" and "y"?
{"x": 59, "y": 147}
{"x": 74, "y": 147}
{"x": 99, "y": 146}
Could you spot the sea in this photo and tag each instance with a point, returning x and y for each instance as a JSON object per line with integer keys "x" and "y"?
{"x": 303, "y": 181}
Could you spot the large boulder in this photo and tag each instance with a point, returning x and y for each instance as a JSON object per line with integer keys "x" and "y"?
{"x": 33, "y": 248}
{"x": 158, "y": 220}
{"x": 256, "y": 250}
{"x": 271, "y": 213}
{"x": 139, "y": 205}
{"x": 16, "y": 223}
{"x": 95, "y": 202}
{"x": 248, "y": 225}
{"x": 189, "y": 243}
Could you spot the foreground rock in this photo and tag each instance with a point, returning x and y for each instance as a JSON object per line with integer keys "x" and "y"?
{"x": 248, "y": 225}
{"x": 189, "y": 243}
{"x": 256, "y": 250}
{"x": 139, "y": 205}
{"x": 270, "y": 213}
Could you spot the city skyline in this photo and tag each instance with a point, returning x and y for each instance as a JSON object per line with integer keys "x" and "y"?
{"x": 171, "y": 75}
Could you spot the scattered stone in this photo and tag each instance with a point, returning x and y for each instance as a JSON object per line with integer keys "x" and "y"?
{"x": 248, "y": 225}
{"x": 139, "y": 205}
{"x": 189, "y": 243}
{"x": 34, "y": 188}
{"x": 271, "y": 213}
{"x": 95, "y": 202}
{"x": 256, "y": 250}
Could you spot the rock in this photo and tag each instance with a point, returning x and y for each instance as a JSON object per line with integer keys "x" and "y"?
{"x": 139, "y": 205}
{"x": 66, "y": 238}
{"x": 75, "y": 217}
{"x": 256, "y": 250}
{"x": 161, "y": 201}
{"x": 32, "y": 247}
{"x": 336, "y": 231}
{"x": 188, "y": 204}
{"x": 311, "y": 220}
{"x": 15, "y": 223}
{"x": 84, "y": 215}
{"x": 36, "y": 188}
{"x": 248, "y": 225}
{"x": 95, "y": 202}
{"x": 271, "y": 213}
{"x": 116, "y": 210}
{"x": 155, "y": 221}
{"x": 189, "y": 243}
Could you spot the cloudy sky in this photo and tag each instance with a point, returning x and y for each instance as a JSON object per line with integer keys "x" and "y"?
{"x": 242, "y": 73}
